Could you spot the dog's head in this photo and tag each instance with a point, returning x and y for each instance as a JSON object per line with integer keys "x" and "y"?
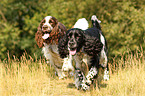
{"x": 75, "y": 40}
{"x": 71, "y": 43}
{"x": 49, "y": 31}
{"x": 47, "y": 25}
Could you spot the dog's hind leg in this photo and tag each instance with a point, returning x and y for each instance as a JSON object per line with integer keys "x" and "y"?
{"x": 104, "y": 63}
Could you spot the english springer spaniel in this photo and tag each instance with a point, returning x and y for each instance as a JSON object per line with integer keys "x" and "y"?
{"x": 67, "y": 66}
{"x": 88, "y": 45}
{"x": 48, "y": 34}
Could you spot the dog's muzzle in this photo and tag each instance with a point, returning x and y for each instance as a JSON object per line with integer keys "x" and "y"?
{"x": 46, "y": 29}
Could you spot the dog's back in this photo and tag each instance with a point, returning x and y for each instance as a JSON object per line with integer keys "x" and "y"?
{"x": 96, "y": 29}
{"x": 104, "y": 52}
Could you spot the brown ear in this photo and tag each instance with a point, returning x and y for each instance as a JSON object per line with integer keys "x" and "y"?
{"x": 56, "y": 30}
{"x": 62, "y": 27}
{"x": 38, "y": 38}
{"x": 53, "y": 22}
{"x": 39, "y": 34}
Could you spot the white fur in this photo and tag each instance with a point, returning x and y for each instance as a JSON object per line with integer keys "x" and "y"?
{"x": 51, "y": 54}
{"x": 82, "y": 24}
{"x": 45, "y": 36}
{"x": 85, "y": 87}
{"x": 95, "y": 18}
{"x": 103, "y": 58}
{"x": 91, "y": 74}
{"x": 106, "y": 75}
{"x": 67, "y": 65}
{"x": 102, "y": 39}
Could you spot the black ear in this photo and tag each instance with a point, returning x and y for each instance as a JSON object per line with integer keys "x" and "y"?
{"x": 92, "y": 45}
{"x": 62, "y": 47}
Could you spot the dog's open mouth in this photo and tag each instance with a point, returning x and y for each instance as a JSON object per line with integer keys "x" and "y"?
{"x": 45, "y": 36}
{"x": 72, "y": 51}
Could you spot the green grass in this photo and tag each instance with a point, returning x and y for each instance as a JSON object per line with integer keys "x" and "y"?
{"x": 26, "y": 77}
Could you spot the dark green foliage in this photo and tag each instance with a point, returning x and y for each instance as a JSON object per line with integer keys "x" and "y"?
{"x": 126, "y": 30}
{"x": 123, "y": 22}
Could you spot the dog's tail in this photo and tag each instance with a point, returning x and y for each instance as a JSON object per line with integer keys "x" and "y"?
{"x": 96, "y": 22}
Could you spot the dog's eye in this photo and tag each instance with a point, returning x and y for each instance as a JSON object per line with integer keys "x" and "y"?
{"x": 50, "y": 21}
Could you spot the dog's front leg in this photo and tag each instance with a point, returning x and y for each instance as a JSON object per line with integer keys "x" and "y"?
{"x": 89, "y": 78}
{"x": 68, "y": 66}
{"x": 79, "y": 76}
{"x": 104, "y": 64}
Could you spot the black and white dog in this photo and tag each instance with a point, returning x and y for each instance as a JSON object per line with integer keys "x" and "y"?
{"x": 82, "y": 24}
{"x": 85, "y": 45}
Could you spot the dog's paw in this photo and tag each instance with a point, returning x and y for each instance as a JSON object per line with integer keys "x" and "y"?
{"x": 78, "y": 78}
{"x": 79, "y": 74}
{"x": 85, "y": 87}
{"x": 78, "y": 83}
{"x": 93, "y": 72}
{"x": 60, "y": 74}
{"x": 88, "y": 81}
{"x": 106, "y": 75}
{"x": 67, "y": 65}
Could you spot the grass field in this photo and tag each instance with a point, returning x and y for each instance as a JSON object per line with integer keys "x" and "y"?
{"x": 26, "y": 77}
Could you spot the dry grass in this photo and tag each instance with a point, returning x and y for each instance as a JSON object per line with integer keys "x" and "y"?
{"x": 26, "y": 77}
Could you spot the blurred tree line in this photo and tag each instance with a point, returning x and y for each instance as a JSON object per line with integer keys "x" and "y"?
{"x": 123, "y": 22}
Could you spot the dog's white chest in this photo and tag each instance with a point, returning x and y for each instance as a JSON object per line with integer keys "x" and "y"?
{"x": 49, "y": 50}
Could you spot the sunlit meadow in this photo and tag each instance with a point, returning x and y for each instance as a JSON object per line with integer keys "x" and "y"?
{"x": 28, "y": 76}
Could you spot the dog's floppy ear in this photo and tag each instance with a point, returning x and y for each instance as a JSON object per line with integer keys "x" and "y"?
{"x": 39, "y": 34}
{"x": 53, "y": 22}
{"x": 38, "y": 38}
{"x": 62, "y": 47}
{"x": 92, "y": 45}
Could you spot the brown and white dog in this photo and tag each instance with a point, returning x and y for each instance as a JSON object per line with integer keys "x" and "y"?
{"x": 48, "y": 33}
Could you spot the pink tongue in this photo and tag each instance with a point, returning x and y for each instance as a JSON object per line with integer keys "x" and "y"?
{"x": 72, "y": 52}
{"x": 45, "y": 36}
